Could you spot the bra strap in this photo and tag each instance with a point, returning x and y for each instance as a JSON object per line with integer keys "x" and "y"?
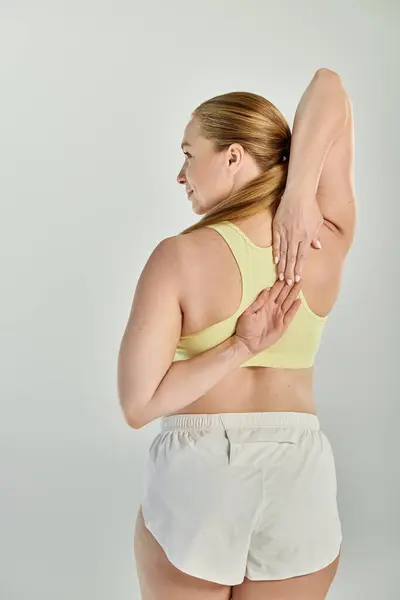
{"x": 240, "y": 251}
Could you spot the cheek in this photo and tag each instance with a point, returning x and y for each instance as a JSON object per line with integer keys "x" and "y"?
{"x": 209, "y": 180}
{"x": 197, "y": 174}
{"x": 220, "y": 184}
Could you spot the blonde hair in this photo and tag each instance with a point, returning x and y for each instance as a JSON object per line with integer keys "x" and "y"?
{"x": 255, "y": 123}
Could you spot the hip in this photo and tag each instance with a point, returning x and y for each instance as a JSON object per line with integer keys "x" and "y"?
{"x": 231, "y": 494}
{"x": 286, "y": 449}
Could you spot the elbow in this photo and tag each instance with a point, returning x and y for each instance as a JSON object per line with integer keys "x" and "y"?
{"x": 330, "y": 80}
{"x": 134, "y": 417}
{"x": 136, "y": 423}
{"x": 330, "y": 83}
{"x": 327, "y": 74}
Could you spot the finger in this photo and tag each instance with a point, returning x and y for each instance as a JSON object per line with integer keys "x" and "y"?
{"x": 276, "y": 290}
{"x": 276, "y": 245}
{"x": 316, "y": 244}
{"x": 291, "y": 297}
{"x": 301, "y": 253}
{"x": 290, "y": 262}
{"x": 282, "y": 258}
{"x": 260, "y": 300}
{"x": 289, "y": 315}
{"x": 283, "y": 294}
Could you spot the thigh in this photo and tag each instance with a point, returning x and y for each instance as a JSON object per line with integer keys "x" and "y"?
{"x": 160, "y": 580}
{"x": 313, "y": 586}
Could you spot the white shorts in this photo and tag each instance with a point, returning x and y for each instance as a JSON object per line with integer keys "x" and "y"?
{"x": 243, "y": 494}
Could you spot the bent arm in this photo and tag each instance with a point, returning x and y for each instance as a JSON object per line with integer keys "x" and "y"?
{"x": 149, "y": 386}
{"x": 319, "y": 120}
{"x": 322, "y": 154}
{"x": 187, "y": 380}
{"x": 336, "y": 193}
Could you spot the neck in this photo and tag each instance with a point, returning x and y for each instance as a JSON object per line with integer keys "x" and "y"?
{"x": 258, "y": 227}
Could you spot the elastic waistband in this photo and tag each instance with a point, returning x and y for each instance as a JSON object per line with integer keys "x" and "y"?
{"x": 254, "y": 419}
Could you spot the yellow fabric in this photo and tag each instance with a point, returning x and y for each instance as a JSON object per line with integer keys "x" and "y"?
{"x": 297, "y": 347}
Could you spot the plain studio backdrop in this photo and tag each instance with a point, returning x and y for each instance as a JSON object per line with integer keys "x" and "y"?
{"x": 94, "y": 100}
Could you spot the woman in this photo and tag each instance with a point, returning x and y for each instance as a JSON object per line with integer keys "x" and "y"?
{"x": 240, "y": 494}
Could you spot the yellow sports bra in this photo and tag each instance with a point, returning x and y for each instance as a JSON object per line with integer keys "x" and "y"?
{"x": 297, "y": 347}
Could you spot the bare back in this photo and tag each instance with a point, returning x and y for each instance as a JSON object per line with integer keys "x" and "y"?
{"x": 212, "y": 292}
{"x": 212, "y": 288}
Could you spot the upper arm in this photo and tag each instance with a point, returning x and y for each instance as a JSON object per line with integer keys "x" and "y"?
{"x": 153, "y": 329}
{"x": 336, "y": 194}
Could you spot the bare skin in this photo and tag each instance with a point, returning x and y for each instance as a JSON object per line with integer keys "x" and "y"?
{"x": 211, "y": 270}
{"x": 208, "y": 270}
{"x": 160, "y": 580}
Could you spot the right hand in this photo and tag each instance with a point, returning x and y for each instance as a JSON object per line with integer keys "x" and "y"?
{"x": 295, "y": 229}
{"x": 264, "y": 321}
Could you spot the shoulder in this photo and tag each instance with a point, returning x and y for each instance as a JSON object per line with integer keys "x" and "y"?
{"x": 178, "y": 247}
{"x": 171, "y": 251}
{"x": 183, "y": 257}
{"x": 166, "y": 250}
{"x": 172, "y": 254}
{"x": 162, "y": 268}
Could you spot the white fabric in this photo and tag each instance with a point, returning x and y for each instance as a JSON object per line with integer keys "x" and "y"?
{"x": 243, "y": 494}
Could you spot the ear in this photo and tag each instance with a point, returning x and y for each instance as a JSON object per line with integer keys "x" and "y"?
{"x": 235, "y": 156}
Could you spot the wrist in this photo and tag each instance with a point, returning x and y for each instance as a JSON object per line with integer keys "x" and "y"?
{"x": 241, "y": 350}
{"x": 298, "y": 195}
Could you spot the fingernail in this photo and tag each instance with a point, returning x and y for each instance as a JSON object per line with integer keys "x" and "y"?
{"x": 289, "y": 282}
{"x": 281, "y": 277}
{"x": 297, "y": 278}
{"x": 318, "y": 244}
{"x": 276, "y": 259}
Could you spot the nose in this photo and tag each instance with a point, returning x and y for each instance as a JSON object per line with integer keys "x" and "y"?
{"x": 181, "y": 176}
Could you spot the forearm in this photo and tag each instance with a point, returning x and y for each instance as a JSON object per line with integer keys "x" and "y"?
{"x": 188, "y": 380}
{"x": 319, "y": 120}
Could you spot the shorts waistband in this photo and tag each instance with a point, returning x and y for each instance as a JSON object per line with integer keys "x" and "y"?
{"x": 254, "y": 419}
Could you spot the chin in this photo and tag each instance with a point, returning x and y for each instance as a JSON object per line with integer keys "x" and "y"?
{"x": 198, "y": 210}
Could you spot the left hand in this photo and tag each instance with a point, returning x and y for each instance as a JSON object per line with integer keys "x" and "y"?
{"x": 268, "y": 317}
{"x": 295, "y": 230}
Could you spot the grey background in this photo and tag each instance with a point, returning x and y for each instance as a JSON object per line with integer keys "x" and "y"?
{"x": 94, "y": 100}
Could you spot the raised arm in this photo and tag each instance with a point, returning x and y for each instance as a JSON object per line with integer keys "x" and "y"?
{"x": 336, "y": 194}
{"x": 319, "y": 120}
{"x": 319, "y": 185}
